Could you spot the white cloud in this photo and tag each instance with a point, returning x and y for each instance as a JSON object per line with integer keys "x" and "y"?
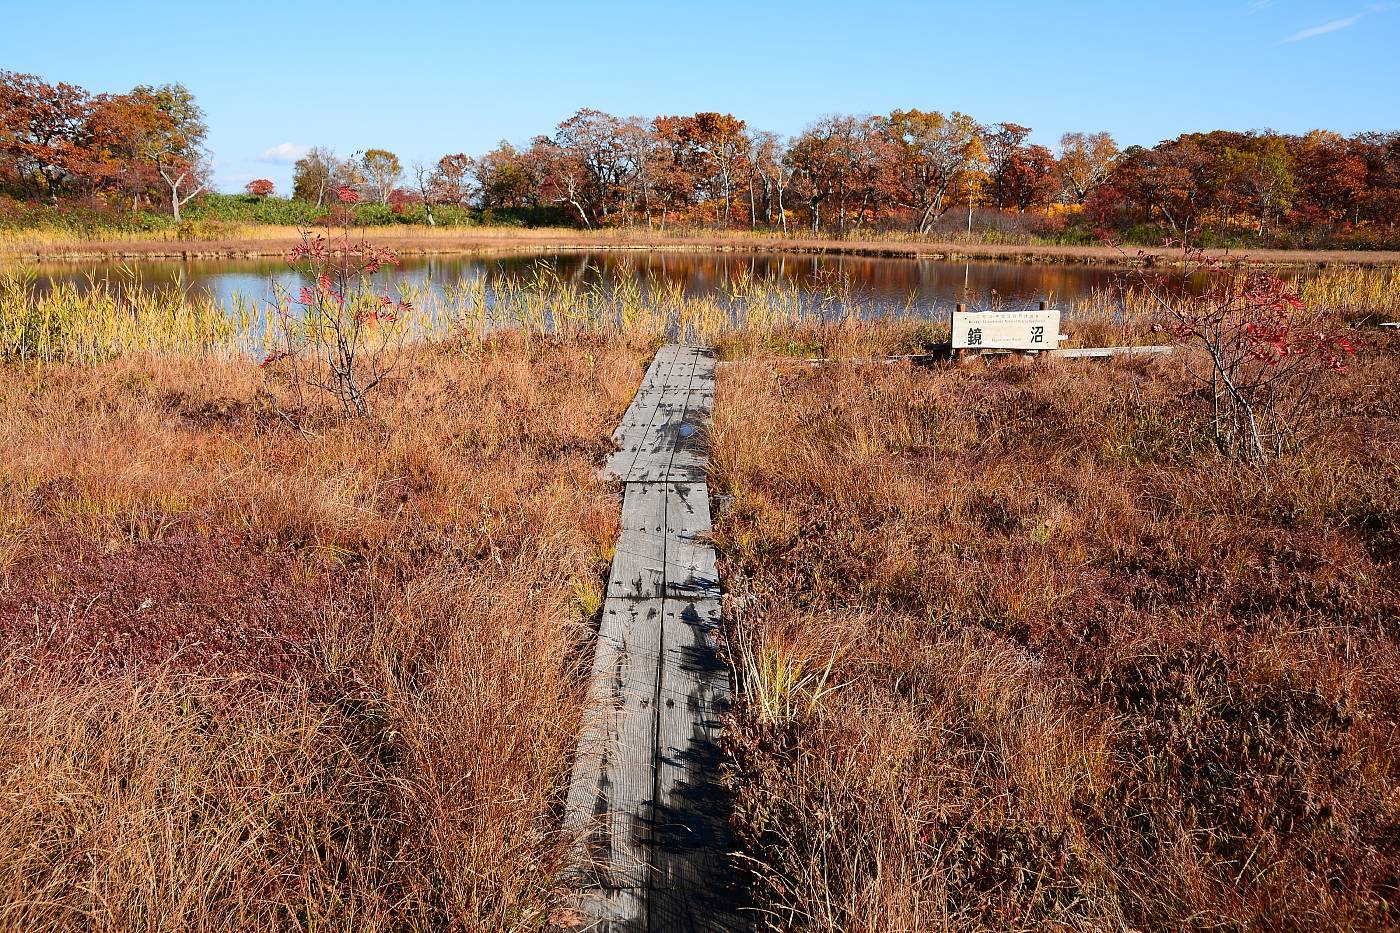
{"x": 1329, "y": 26}
{"x": 283, "y": 154}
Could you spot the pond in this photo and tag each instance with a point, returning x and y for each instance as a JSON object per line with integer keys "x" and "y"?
{"x": 921, "y": 287}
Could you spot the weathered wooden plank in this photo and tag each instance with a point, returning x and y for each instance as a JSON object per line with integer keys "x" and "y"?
{"x": 690, "y": 557}
{"x": 654, "y": 454}
{"x": 643, "y": 420}
{"x": 639, "y": 562}
{"x": 653, "y": 460}
{"x": 694, "y": 885}
{"x": 1082, "y": 352}
{"x": 614, "y": 779}
{"x": 690, "y": 458}
{"x": 680, "y": 411}
{"x": 659, "y": 857}
{"x": 629, "y": 437}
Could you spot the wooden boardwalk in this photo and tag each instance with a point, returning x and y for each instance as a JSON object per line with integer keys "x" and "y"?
{"x": 644, "y": 795}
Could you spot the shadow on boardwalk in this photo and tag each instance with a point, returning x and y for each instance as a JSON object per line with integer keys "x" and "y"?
{"x": 645, "y": 795}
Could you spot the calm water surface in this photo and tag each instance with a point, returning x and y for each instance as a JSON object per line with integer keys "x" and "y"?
{"x": 927, "y": 287}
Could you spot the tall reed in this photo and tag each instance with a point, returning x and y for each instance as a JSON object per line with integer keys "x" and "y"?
{"x": 99, "y": 319}
{"x": 65, "y": 321}
{"x": 1355, "y": 294}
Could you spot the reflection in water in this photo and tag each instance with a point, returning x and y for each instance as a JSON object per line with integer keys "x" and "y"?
{"x": 919, "y": 285}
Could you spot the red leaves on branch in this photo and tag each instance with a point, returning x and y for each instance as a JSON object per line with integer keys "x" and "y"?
{"x": 386, "y": 312}
{"x": 1269, "y": 320}
{"x": 347, "y": 195}
{"x": 1263, "y": 353}
{"x": 341, "y": 257}
{"x": 327, "y": 325}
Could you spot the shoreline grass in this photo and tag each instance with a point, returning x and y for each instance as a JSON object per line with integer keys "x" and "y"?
{"x": 747, "y": 314}
{"x": 258, "y": 240}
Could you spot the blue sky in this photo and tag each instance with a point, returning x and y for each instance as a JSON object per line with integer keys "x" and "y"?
{"x": 427, "y": 78}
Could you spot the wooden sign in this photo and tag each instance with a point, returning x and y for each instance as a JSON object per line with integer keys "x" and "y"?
{"x": 1006, "y": 330}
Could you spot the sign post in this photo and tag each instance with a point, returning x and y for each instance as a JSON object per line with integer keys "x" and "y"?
{"x": 1006, "y": 330}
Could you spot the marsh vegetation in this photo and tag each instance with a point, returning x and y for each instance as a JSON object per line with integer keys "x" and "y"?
{"x": 1015, "y": 645}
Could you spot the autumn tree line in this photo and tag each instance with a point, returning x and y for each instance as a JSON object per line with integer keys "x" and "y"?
{"x": 59, "y": 142}
{"x": 921, "y": 171}
{"x": 926, "y": 171}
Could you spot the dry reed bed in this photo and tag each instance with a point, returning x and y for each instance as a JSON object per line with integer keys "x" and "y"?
{"x": 260, "y": 676}
{"x": 1018, "y": 651}
{"x": 746, "y": 314}
{"x": 102, "y": 320}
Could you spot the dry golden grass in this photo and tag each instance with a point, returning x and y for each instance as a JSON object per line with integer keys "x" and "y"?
{"x": 1014, "y": 650}
{"x": 258, "y": 677}
{"x": 1018, "y": 651}
{"x": 1360, "y": 295}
